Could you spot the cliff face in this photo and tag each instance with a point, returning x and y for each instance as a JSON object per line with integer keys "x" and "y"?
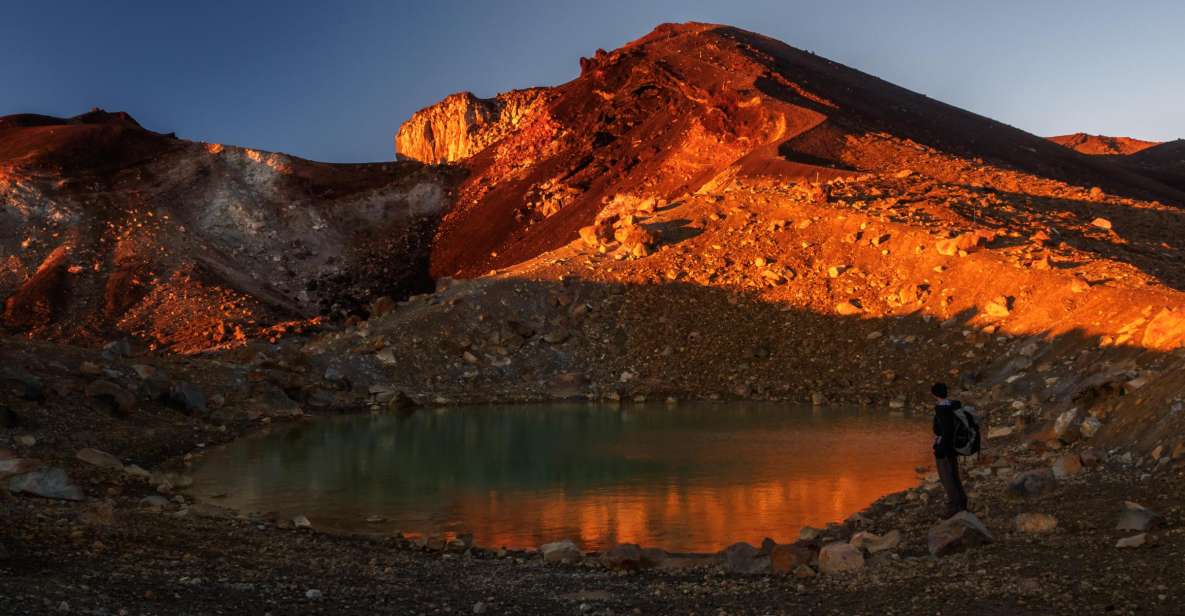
{"x": 462, "y": 124}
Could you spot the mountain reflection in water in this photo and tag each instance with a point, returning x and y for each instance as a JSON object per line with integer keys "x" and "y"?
{"x": 695, "y": 477}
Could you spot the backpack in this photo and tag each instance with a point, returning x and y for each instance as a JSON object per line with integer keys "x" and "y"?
{"x": 966, "y": 431}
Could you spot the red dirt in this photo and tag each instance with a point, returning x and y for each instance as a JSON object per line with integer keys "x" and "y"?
{"x": 1102, "y": 145}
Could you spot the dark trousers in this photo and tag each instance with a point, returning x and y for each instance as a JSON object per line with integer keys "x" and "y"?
{"x": 948, "y": 473}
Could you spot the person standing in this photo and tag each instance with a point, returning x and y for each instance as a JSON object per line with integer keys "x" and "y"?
{"x": 946, "y": 459}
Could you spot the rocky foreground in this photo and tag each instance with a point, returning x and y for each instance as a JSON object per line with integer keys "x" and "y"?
{"x": 97, "y": 521}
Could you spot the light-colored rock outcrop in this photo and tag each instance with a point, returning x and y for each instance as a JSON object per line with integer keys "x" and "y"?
{"x": 462, "y": 124}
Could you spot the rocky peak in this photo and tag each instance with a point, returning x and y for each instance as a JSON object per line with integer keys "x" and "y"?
{"x": 462, "y": 124}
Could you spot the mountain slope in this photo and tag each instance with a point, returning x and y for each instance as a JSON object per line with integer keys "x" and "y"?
{"x": 108, "y": 229}
{"x": 683, "y": 106}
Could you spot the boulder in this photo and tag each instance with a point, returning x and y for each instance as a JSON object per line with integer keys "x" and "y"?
{"x": 98, "y": 458}
{"x": 186, "y": 397}
{"x": 1035, "y": 523}
{"x": 631, "y": 557}
{"x": 840, "y": 557}
{"x": 745, "y": 559}
{"x": 1137, "y": 517}
{"x": 115, "y": 398}
{"x": 1064, "y": 421}
{"x": 561, "y": 552}
{"x": 873, "y": 543}
{"x": 1031, "y": 484}
{"x": 1134, "y": 541}
{"x": 957, "y": 533}
{"x": 1090, "y": 426}
{"x": 786, "y": 558}
{"x": 1067, "y": 466}
{"x": 46, "y": 483}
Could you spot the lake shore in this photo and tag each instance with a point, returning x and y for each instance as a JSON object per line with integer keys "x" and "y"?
{"x": 133, "y": 545}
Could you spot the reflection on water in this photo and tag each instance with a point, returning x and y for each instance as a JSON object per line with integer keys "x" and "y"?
{"x": 688, "y": 478}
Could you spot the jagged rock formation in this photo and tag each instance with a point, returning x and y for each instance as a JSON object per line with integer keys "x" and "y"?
{"x": 1096, "y": 145}
{"x": 687, "y": 108}
{"x": 462, "y": 125}
{"x": 108, "y": 229}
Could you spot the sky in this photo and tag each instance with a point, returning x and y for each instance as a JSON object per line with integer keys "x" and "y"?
{"x": 332, "y": 81}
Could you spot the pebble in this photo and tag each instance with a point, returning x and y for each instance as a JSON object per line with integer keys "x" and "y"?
{"x": 313, "y": 593}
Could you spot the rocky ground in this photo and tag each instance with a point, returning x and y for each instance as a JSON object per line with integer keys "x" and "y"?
{"x": 114, "y": 539}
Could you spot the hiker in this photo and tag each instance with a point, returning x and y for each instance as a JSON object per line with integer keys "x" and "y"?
{"x": 946, "y": 458}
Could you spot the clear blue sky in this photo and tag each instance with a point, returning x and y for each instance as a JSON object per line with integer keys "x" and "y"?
{"x": 333, "y": 80}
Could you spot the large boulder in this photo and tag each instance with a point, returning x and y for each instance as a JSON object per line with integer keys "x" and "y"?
{"x": 1031, "y": 484}
{"x": 787, "y": 558}
{"x": 840, "y": 557}
{"x": 114, "y": 397}
{"x": 1137, "y": 517}
{"x": 561, "y": 552}
{"x": 957, "y": 533}
{"x": 872, "y": 543}
{"x": 46, "y": 483}
{"x": 745, "y": 559}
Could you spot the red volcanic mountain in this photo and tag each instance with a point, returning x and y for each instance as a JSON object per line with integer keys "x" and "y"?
{"x": 108, "y": 229}
{"x": 1096, "y": 145}
{"x": 688, "y": 105}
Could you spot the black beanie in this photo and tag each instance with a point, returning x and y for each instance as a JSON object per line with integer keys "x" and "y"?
{"x": 939, "y": 389}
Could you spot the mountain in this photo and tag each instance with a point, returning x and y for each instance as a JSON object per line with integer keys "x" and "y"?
{"x": 678, "y": 111}
{"x": 1096, "y": 145}
{"x": 109, "y": 229}
{"x": 1163, "y": 162}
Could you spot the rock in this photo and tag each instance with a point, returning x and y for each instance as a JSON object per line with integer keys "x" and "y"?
{"x": 873, "y": 543}
{"x": 1090, "y": 426}
{"x": 1137, "y": 517}
{"x": 154, "y": 501}
{"x": 745, "y": 559}
{"x": 631, "y": 557}
{"x": 561, "y": 552}
{"x": 98, "y": 458}
{"x": 479, "y": 608}
{"x": 1100, "y": 223}
{"x": 1031, "y": 484}
{"x": 400, "y": 403}
{"x": 1062, "y": 424}
{"x": 11, "y": 466}
{"x": 961, "y": 531}
{"x": 301, "y": 521}
{"x": 1134, "y": 541}
{"x": 381, "y": 306}
{"x": 1035, "y": 523}
{"x": 1067, "y": 466}
{"x": 809, "y": 533}
{"x": 186, "y": 397}
{"x": 786, "y": 558}
{"x": 46, "y": 483}
{"x": 998, "y": 307}
{"x": 848, "y": 308}
{"x": 840, "y": 557}
{"x": 116, "y": 399}
{"x": 313, "y": 594}
{"x": 26, "y": 440}
{"x": 1166, "y": 331}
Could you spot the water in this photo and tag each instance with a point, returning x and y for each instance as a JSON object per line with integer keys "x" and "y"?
{"x": 696, "y": 477}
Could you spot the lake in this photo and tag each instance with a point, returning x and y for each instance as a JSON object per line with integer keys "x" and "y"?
{"x": 692, "y": 477}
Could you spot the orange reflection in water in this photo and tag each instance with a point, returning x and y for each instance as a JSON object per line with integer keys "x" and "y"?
{"x": 698, "y": 516}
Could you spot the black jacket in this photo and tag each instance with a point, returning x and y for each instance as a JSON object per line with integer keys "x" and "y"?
{"x": 944, "y": 429}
